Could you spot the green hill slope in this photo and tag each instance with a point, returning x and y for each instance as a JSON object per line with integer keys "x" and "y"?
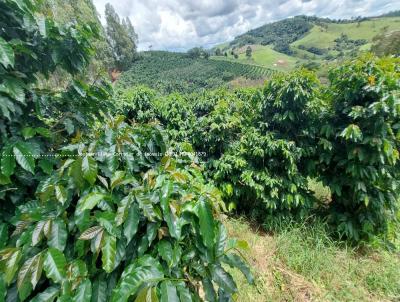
{"x": 295, "y": 41}
{"x": 169, "y": 72}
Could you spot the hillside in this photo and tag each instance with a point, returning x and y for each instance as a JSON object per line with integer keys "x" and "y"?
{"x": 288, "y": 43}
{"x": 280, "y": 46}
{"x": 169, "y": 72}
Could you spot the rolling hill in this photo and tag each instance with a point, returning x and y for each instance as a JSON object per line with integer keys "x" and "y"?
{"x": 301, "y": 40}
{"x": 170, "y": 72}
{"x": 280, "y": 46}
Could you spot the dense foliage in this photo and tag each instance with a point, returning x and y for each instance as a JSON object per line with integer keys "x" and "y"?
{"x": 64, "y": 12}
{"x": 361, "y": 143}
{"x": 33, "y": 120}
{"x": 261, "y": 147}
{"x": 169, "y": 72}
{"x": 92, "y": 208}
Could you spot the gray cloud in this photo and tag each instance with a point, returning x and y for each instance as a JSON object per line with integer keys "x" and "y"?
{"x": 182, "y": 24}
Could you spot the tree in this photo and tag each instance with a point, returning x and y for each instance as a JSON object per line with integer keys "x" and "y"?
{"x": 194, "y": 53}
{"x": 131, "y": 30}
{"x": 248, "y": 52}
{"x": 198, "y": 52}
{"x": 218, "y": 52}
{"x": 122, "y": 38}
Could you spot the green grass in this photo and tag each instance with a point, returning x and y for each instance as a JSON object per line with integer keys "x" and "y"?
{"x": 324, "y": 38}
{"x": 264, "y": 56}
{"x": 302, "y": 263}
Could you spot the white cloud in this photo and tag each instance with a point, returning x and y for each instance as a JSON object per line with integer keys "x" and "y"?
{"x": 182, "y": 24}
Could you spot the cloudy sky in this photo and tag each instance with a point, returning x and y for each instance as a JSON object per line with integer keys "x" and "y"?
{"x": 182, "y": 24}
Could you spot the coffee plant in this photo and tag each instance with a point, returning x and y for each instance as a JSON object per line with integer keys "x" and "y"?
{"x": 359, "y": 161}
{"x": 262, "y": 146}
{"x": 34, "y": 120}
{"x": 91, "y": 208}
{"x": 114, "y": 221}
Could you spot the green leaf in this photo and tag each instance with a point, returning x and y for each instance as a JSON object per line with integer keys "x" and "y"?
{"x": 97, "y": 242}
{"x": 184, "y": 293}
{"x": 12, "y": 266}
{"x": 89, "y": 169}
{"x": 132, "y": 222}
{"x": 99, "y": 291}
{"x": 54, "y": 265}
{"x": 83, "y": 292}
{"x": 166, "y": 252}
{"x": 28, "y": 132}
{"x": 14, "y": 88}
{"x": 117, "y": 179}
{"x": 38, "y": 232}
{"x": 49, "y": 295}
{"x": 122, "y": 211}
{"x": 89, "y": 201}
{"x": 7, "y": 161}
{"x": 108, "y": 251}
{"x": 61, "y": 194}
{"x": 75, "y": 172}
{"x": 3, "y": 289}
{"x": 69, "y": 126}
{"x": 352, "y": 132}
{"x": 37, "y": 269}
{"x": 90, "y": 233}
{"x": 29, "y": 275}
{"x": 144, "y": 270}
{"x": 169, "y": 216}
{"x": 4, "y": 180}
{"x": 6, "y": 54}
{"x": 168, "y": 292}
{"x": 43, "y": 132}
{"x": 147, "y": 207}
{"x": 58, "y": 235}
{"x": 24, "y": 157}
{"x": 223, "y": 279}
{"x": 222, "y": 238}
{"x": 3, "y": 235}
{"x": 209, "y": 290}
{"x": 46, "y": 166}
{"x": 23, "y": 284}
{"x": 206, "y": 220}
{"x": 147, "y": 294}
{"x": 236, "y": 261}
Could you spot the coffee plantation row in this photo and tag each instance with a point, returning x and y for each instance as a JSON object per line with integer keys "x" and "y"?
{"x": 102, "y": 198}
{"x": 263, "y": 146}
{"x": 176, "y": 72}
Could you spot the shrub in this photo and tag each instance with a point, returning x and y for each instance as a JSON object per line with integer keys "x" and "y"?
{"x": 107, "y": 227}
{"x": 105, "y": 219}
{"x": 33, "y": 120}
{"x": 359, "y": 161}
{"x": 137, "y": 104}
